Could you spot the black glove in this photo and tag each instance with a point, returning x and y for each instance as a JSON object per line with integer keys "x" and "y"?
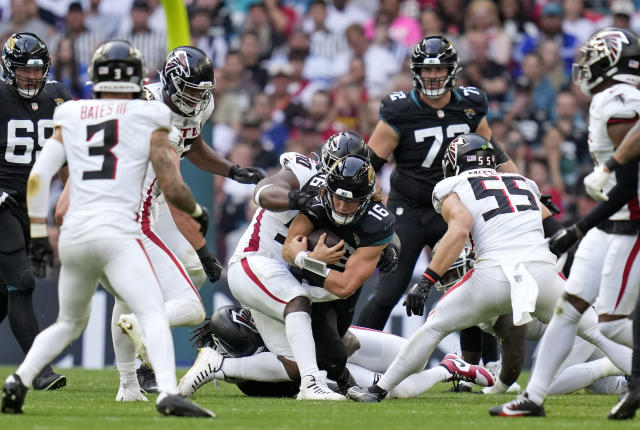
{"x": 7, "y": 202}
{"x": 389, "y": 258}
{"x": 246, "y": 175}
{"x": 210, "y": 264}
{"x": 203, "y": 220}
{"x": 314, "y": 208}
{"x": 417, "y": 296}
{"x": 202, "y": 336}
{"x": 545, "y": 199}
{"x": 41, "y": 255}
{"x": 298, "y": 199}
{"x": 564, "y": 239}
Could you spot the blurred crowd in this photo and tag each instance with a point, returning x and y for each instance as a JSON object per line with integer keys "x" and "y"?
{"x": 292, "y": 72}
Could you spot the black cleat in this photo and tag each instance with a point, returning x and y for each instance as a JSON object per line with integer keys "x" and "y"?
{"x": 460, "y": 387}
{"x": 366, "y": 394}
{"x": 520, "y": 407}
{"x": 629, "y": 402}
{"x": 343, "y": 383}
{"x": 177, "y": 405}
{"x": 13, "y": 394}
{"x": 147, "y": 379}
{"x": 51, "y": 381}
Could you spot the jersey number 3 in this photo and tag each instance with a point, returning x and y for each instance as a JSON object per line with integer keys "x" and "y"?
{"x": 109, "y": 140}
{"x": 507, "y": 187}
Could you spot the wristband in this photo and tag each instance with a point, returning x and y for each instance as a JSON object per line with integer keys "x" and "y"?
{"x": 256, "y": 196}
{"x": 197, "y": 211}
{"x": 298, "y": 261}
{"x": 38, "y": 230}
{"x": 203, "y": 252}
{"x": 612, "y": 164}
{"x": 431, "y": 275}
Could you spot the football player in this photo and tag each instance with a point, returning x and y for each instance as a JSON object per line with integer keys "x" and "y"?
{"x": 25, "y": 124}
{"x": 514, "y": 271}
{"x": 100, "y": 236}
{"x": 605, "y": 264}
{"x": 416, "y": 127}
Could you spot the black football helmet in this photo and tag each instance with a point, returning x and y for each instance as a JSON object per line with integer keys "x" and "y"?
{"x": 351, "y": 178}
{"x": 434, "y": 51}
{"x": 187, "y": 78}
{"x": 340, "y": 145}
{"x": 234, "y": 333}
{"x": 466, "y": 152}
{"x": 25, "y": 50}
{"x": 117, "y": 67}
{"x": 611, "y": 53}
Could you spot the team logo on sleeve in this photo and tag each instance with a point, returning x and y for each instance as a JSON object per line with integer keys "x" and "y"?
{"x": 178, "y": 64}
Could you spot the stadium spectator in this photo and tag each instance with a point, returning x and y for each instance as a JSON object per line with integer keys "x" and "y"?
{"x": 274, "y": 131}
{"x": 482, "y": 16}
{"x": 552, "y": 66}
{"x": 84, "y": 41}
{"x": 99, "y": 20}
{"x": 453, "y": 16}
{"x": 250, "y": 55}
{"x": 205, "y": 36}
{"x": 70, "y": 72}
{"x": 574, "y": 22}
{"x": 403, "y": 29}
{"x": 430, "y": 22}
{"x": 516, "y": 20}
{"x": 24, "y": 19}
{"x": 341, "y": 14}
{"x": 622, "y": 14}
{"x": 151, "y": 44}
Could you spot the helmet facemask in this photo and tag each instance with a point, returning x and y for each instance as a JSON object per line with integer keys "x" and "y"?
{"x": 350, "y": 179}
{"x": 339, "y": 218}
{"x": 190, "y": 99}
{"x": 30, "y": 87}
{"x": 434, "y": 88}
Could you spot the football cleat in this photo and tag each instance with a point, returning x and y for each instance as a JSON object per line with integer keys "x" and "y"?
{"x": 314, "y": 387}
{"x": 461, "y": 387}
{"x": 629, "y": 402}
{"x": 342, "y": 384}
{"x": 13, "y": 394}
{"x": 131, "y": 327}
{"x": 50, "y": 382}
{"x": 520, "y": 407}
{"x": 130, "y": 393}
{"x": 174, "y": 404}
{"x": 147, "y": 379}
{"x": 206, "y": 368}
{"x": 366, "y": 394}
{"x": 462, "y": 371}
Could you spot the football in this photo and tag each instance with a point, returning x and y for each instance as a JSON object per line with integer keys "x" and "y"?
{"x": 330, "y": 240}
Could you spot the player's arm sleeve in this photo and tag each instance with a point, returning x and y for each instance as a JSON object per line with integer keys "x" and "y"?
{"x": 624, "y": 190}
{"x": 48, "y": 163}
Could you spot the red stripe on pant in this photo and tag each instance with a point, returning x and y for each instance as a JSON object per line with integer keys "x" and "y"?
{"x": 156, "y": 240}
{"x": 627, "y": 269}
{"x": 254, "y": 278}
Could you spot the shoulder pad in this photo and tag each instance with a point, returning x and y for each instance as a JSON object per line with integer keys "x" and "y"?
{"x": 148, "y": 95}
{"x": 394, "y": 105}
{"x": 377, "y": 222}
{"x": 442, "y": 190}
{"x": 473, "y": 96}
{"x": 58, "y": 92}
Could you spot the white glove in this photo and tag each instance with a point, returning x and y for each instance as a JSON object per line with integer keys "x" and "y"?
{"x": 595, "y": 181}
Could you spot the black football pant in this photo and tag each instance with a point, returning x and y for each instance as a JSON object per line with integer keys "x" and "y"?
{"x": 416, "y": 227}
{"x": 17, "y": 283}
{"x": 476, "y": 344}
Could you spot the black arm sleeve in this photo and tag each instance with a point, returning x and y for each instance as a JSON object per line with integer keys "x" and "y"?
{"x": 376, "y": 161}
{"x": 501, "y": 156}
{"x": 625, "y": 189}
{"x": 551, "y": 226}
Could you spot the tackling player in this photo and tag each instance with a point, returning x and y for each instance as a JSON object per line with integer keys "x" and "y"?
{"x": 107, "y": 143}
{"x": 25, "y": 123}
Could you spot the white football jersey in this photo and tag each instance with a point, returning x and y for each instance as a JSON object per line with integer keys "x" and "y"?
{"x": 268, "y": 230}
{"x": 184, "y": 127}
{"x": 621, "y": 101}
{"x": 107, "y": 145}
{"x": 507, "y": 221}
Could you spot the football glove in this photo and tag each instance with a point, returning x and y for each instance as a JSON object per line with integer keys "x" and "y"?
{"x": 246, "y": 175}
{"x": 210, "y": 264}
{"x": 203, "y": 220}
{"x": 7, "y": 202}
{"x": 388, "y": 262}
{"x": 417, "y": 296}
{"x": 545, "y": 199}
{"x": 564, "y": 239}
{"x": 298, "y": 199}
{"x": 595, "y": 181}
{"x": 41, "y": 255}
{"x": 314, "y": 208}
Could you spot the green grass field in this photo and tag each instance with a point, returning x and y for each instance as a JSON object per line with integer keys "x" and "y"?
{"x": 88, "y": 403}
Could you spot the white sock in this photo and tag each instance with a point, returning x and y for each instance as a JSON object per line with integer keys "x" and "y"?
{"x": 554, "y": 348}
{"x": 413, "y": 356}
{"x": 184, "y": 312}
{"x": 582, "y": 375}
{"x": 418, "y": 383}
{"x": 128, "y": 373}
{"x": 619, "y": 355}
{"x": 620, "y": 331}
{"x": 300, "y": 337}
{"x": 160, "y": 349}
{"x": 47, "y": 345}
{"x": 609, "y": 385}
{"x": 264, "y": 367}
{"x": 123, "y": 348}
